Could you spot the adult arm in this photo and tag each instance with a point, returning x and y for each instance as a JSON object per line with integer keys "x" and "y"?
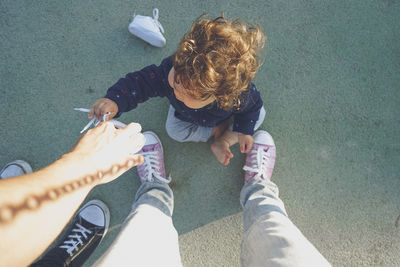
{"x": 35, "y": 208}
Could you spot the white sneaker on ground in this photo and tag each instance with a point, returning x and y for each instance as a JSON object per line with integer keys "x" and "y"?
{"x": 148, "y": 29}
{"x": 15, "y": 168}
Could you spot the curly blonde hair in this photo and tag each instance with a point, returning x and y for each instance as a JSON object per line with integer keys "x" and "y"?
{"x": 218, "y": 58}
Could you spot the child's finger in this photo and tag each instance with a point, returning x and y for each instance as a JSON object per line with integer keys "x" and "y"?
{"x": 226, "y": 162}
{"x": 99, "y": 111}
{"x": 246, "y": 148}
{"x": 91, "y": 112}
{"x": 243, "y": 148}
{"x": 250, "y": 145}
{"x": 249, "y": 148}
{"x": 105, "y": 108}
{"x": 228, "y": 157}
{"x": 105, "y": 115}
{"x": 94, "y": 108}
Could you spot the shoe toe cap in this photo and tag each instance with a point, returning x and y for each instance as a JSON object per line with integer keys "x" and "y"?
{"x": 263, "y": 137}
{"x": 95, "y": 212}
{"x": 151, "y": 138}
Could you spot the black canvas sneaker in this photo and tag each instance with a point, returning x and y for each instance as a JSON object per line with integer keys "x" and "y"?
{"x": 87, "y": 229}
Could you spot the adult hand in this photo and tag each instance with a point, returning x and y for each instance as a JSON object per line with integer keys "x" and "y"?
{"x": 109, "y": 150}
{"x": 35, "y": 207}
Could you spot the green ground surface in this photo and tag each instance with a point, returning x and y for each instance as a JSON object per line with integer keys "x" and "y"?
{"x": 330, "y": 83}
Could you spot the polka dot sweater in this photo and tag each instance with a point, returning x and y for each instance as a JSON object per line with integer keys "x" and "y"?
{"x": 152, "y": 81}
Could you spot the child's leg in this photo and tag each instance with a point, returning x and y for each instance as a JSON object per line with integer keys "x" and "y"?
{"x": 261, "y": 118}
{"x": 183, "y": 131}
{"x": 221, "y": 145}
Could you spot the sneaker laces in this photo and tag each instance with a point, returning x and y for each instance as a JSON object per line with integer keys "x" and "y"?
{"x": 76, "y": 239}
{"x": 258, "y": 162}
{"x": 155, "y": 19}
{"x": 152, "y": 167}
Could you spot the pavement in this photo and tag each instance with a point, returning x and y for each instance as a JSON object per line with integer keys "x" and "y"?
{"x": 330, "y": 83}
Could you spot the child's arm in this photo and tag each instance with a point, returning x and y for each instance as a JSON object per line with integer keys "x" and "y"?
{"x": 134, "y": 88}
{"x": 246, "y": 117}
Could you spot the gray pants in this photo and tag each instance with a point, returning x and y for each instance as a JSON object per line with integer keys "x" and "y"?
{"x": 183, "y": 131}
{"x": 148, "y": 236}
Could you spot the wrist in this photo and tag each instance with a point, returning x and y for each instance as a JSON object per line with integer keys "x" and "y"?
{"x": 77, "y": 168}
{"x": 242, "y": 137}
{"x": 119, "y": 102}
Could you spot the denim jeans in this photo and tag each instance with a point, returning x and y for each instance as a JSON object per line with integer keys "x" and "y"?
{"x": 183, "y": 131}
{"x": 269, "y": 239}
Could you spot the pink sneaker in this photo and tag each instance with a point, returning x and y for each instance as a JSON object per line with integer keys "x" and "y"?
{"x": 260, "y": 160}
{"x": 153, "y": 166}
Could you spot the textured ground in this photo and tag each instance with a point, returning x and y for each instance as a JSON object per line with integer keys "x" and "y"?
{"x": 330, "y": 83}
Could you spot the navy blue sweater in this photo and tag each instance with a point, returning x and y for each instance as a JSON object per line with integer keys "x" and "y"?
{"x": 152, "y": 81}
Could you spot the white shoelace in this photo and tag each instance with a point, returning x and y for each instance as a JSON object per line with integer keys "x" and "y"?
{"x": 257, "y": 162}
{"x": 96, "y": 121}
{"x": 152, "y": 164}
{"x": 76, "y": 239}
{"x": 155, "y": 19}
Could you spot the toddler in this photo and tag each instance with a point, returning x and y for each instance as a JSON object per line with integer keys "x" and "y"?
{"x": 208, "y": 84}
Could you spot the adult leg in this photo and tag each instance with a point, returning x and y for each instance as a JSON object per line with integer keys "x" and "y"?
{"x": 183, "y": 131}
{"x": 148, "y": 236}
{"x": 270, "y": 238}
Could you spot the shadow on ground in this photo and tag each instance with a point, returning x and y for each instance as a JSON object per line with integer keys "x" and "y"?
{"x": 329, "y": 82}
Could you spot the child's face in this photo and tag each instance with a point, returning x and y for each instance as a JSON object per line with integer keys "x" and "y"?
{"x": 180, "y": 94}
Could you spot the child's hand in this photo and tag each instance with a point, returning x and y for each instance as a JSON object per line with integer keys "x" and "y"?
{"x": 101, "y": 107}
{"x": 246, "y": 142}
